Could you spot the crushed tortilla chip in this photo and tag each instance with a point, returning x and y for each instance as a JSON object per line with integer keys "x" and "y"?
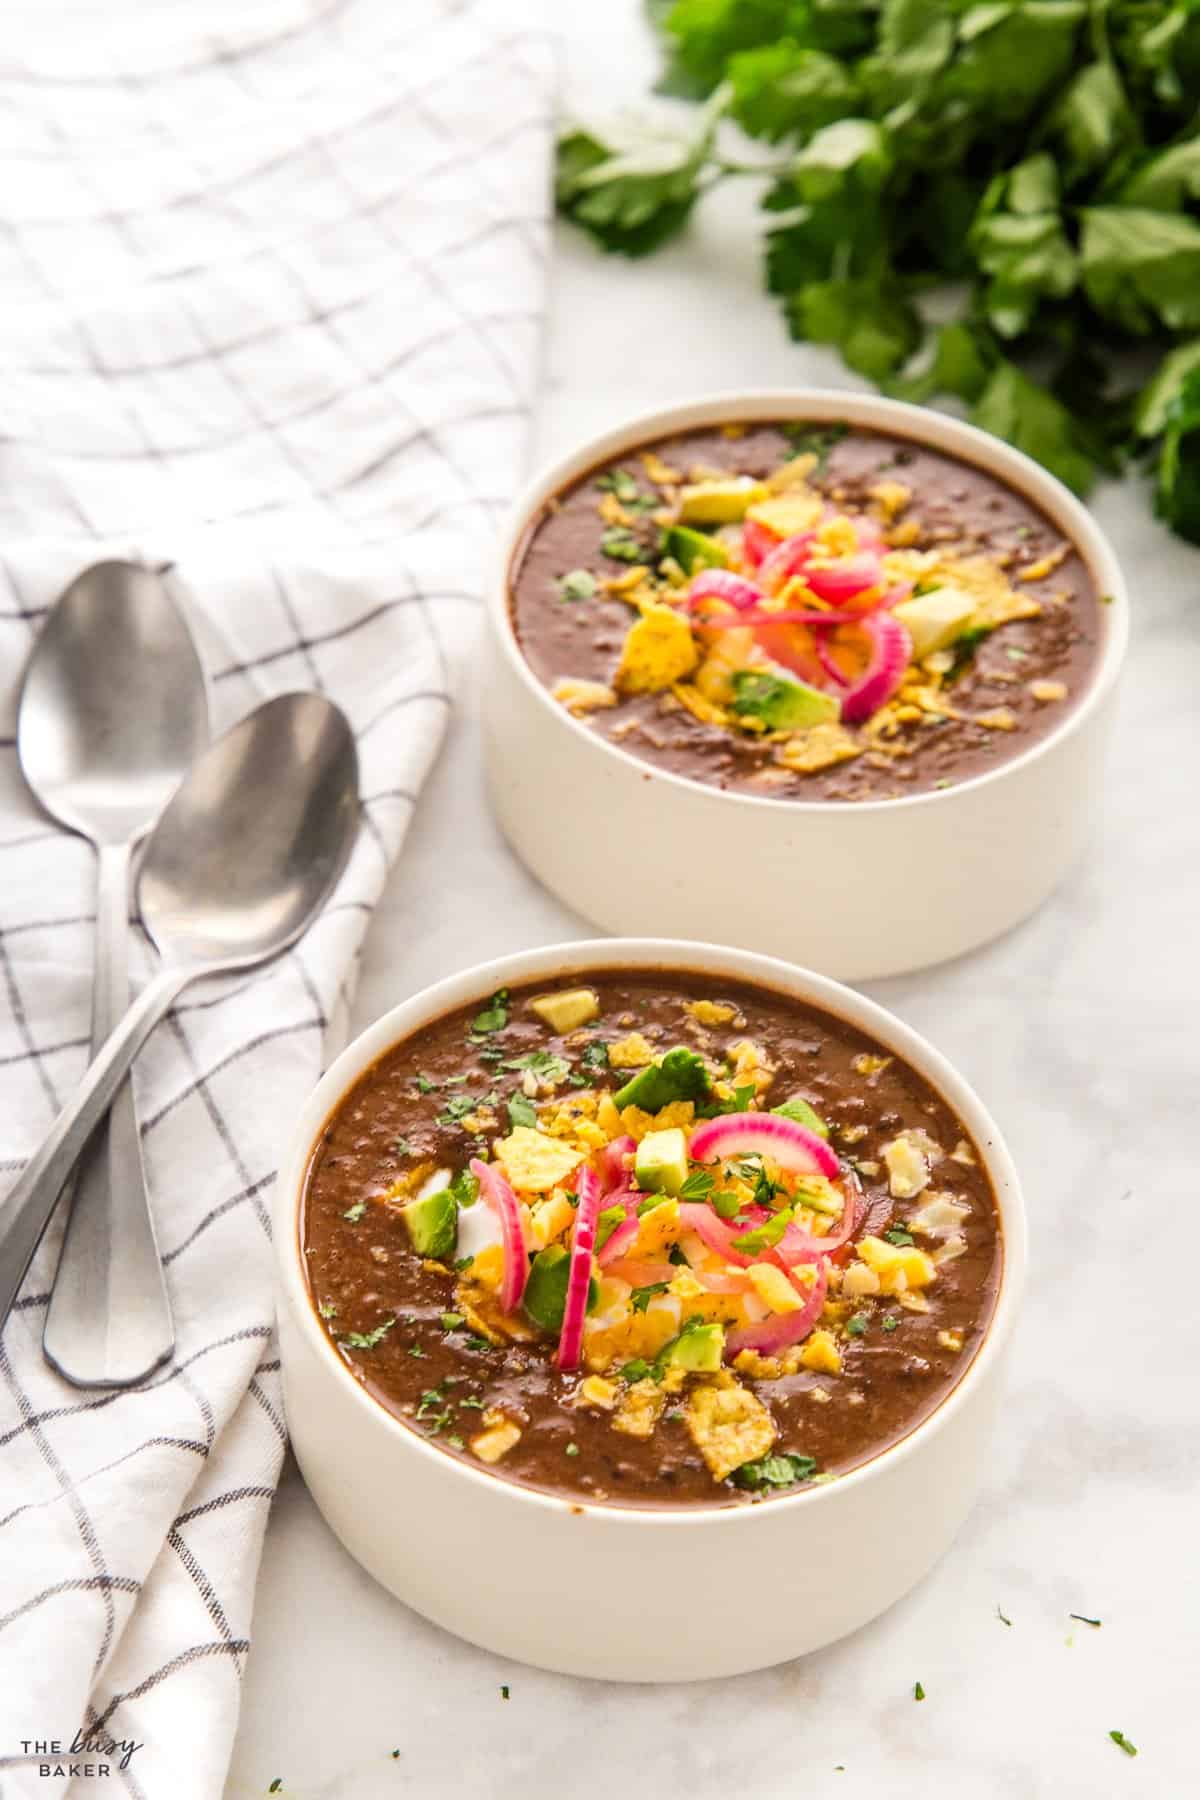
{"x": 533, "y": 1162}
{"x": 820, "y": 747}
{"x": 729, "y": 1426}
{"x": 658, "y": 651}
{"x": 580, "y": 696}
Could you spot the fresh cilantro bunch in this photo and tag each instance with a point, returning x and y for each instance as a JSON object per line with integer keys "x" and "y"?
{"x": 1038, "y": 159}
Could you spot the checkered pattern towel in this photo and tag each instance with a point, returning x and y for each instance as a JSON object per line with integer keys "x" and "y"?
{"x": 270, "y": 282}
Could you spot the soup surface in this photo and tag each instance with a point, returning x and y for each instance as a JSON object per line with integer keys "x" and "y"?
{"x": 805, "y": 612}
{"x": 650, "y": 1238}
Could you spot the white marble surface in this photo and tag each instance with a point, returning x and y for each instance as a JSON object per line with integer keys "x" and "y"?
{"x": 1080, "y": 1032}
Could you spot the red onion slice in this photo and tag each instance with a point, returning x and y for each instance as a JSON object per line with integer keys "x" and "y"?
{"x": 782, "y": 1329}
{"x": 891, "y": 653}
{"x": 583, "y": 1238}
{"x": 791, "y": 1145}
{"x": 503, "y": 1202}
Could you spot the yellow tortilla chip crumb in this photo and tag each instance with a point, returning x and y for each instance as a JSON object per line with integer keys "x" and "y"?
{"x": 661, "y": 473}
{"x": 1001, "y": 718}
{"x": 1046, "y": 691}
{"x": 632, "y": 1052}
{"x": 1045, "y": 565}
{"x": 729, "y": 1426}
{"x": 707, "y": 711}
{"x": 821, "y": 1354}
{"x": 820, "y": 747}
{"x": 640, "y": 1410}
{"x": 580, "y": 696}
{"x": 533, "y": 1162}
{"x": 658, "y": 651}
{"x": 788, "y": 513}
{"x": 711, "y": 1012}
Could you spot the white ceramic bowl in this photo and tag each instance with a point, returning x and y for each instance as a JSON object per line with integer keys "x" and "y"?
{"x": 548, "y": 1580}
{"x": 944, "y": 871}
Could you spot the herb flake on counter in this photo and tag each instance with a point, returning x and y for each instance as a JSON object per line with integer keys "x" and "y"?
{"x": 1003, "y": 1616}
{"x": 276, "y": 1786}
{"x": 504, "y": 1694}
{"x": 1123, "y": 1743}
{"x": 1084, "y": 1620}
{"x": 918, "y": 1691}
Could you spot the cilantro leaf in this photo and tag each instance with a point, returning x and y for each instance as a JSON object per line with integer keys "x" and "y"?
{"x": 1029, "y": 417}
{"x": 521, "y": 1111}
{"x": 782, "y": 1469}
{"x": 1177, "y": 497}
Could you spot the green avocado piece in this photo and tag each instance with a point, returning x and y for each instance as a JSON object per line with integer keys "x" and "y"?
{"x": 780, "y": 702}
{"x": 679, "y": 1075}
{"x": 661, "y": 1164}
{"x": 797, "y": 1108}
{"x": 693, "y": 550}
{"x": 720, "y": 502}
{"x": 432, "y": 1223}
{"x": 699, "y": 1350}
{"x": 546, "y": 1289}
{"x": 934, "y": 619}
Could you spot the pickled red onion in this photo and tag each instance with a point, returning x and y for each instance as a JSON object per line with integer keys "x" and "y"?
{"x": 641, "y": 1274}
{"x": 843, "y": 579}
{"x": 782, "y": 1329}
{"x": 796, "y": 1246}
{"x": 787, "y": 559}
{"x": 719, "y": 1236}
{"x": 618, "y": 1241}
{"x": 583, "y": 1238}
{"x": 891, "y": 652}
{"x": 786, "y": 615}
{"x": 503, "y": 1202}
{"x": 827, "y": 661}
{"x": 723, "y": 584}
{"x": 790, "y": 1145}
{"x": 613, "y": 1166}
{"x": 757, "y": 542}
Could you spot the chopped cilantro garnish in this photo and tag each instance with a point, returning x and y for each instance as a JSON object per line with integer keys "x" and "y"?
{"x": 494, "y": 1016}
{"x": 450, "y": 1321}
{"x": 621, "y": 483}
{"x": 738, "y": 1101}
{"x": 416, "y": 1350}
{"x": 543, "y": 1063}
{"x": 1123, "y": 1743}
{"x": 642, "y": 1296}
{"x": 858, "y": 1324}
{"x": 918, "y": 1691}
{"x": 354, "y": 1213}
{"x": 464, "y": 1188}
{"x": 457, "y": 1444}
{"x": 327, "y": 1309}
{"x": 521, "y": 1111}
{"x": 572, "y": 1449}
{"x": 580, "y": 584}
{"x": 818, "y": 441}
{"x": 473, "y": 1401}
{"x": 425, "y": 1084}
{"x": 457, "y": 1109}
{"x": 637, "y": 1370}
{"x": 783, "y": 1468}
{"x": 890, "y": 1321}
{"x": 898, "y": 1236}
{"x": 621, "y": 545}
{"x": 698, "y": 1186}
{"x": 367, "y": 1340}
{"x": 594, "y": 1054}
{"x": 463, "y": 1262}
{"x": 402, "y": 1147}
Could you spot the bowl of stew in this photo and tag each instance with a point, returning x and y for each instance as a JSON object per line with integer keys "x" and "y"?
{"x": 645, "y": 1267}
{"x": 820, "y": 674}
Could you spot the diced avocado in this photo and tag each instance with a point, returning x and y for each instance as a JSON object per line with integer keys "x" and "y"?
{"x": 782, "y": 703}
{"x": 546, "y": 1289}
{"x": 694, "y": 550}
{"x": 679, "y": 1075}
{"x": 797, "y": 1108}
{"x": 432, "y": 1223}
{"x": 566, "y": 1011}
{"x": 720, "y": 502}
{"x": 935, "y": 619}
{"x": 661, "y": 1164}
{"x": 607, "y": 1223}
{"x": 699, "y": 1350}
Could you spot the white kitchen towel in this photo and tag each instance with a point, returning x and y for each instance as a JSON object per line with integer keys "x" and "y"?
{"x": 271, "y": 276}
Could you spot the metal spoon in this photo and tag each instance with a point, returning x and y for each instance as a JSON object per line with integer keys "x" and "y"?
{"x": 113, "y": 709}
{"x": 239, "y": 865}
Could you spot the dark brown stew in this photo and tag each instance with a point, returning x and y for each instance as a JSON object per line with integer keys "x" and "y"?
{"x": 1002, "y": 615}
{"x": 687, "y": 1389}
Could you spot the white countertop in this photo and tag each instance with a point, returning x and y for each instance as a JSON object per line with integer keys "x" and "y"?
{"x": 1079, "y": 1030}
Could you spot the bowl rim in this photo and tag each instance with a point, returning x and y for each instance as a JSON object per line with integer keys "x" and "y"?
{"x": 936, "y": 430}
{"x": 575, "y": 958}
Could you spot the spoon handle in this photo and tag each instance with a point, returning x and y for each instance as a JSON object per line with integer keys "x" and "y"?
{"x": 26, "y": 1211}
{"x": 109, "y": 1319}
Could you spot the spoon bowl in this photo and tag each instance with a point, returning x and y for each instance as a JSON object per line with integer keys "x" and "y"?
{"x": 262, "y": 824}
{"x": 114, "y": 704}
{"x": 243, "y": 859}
